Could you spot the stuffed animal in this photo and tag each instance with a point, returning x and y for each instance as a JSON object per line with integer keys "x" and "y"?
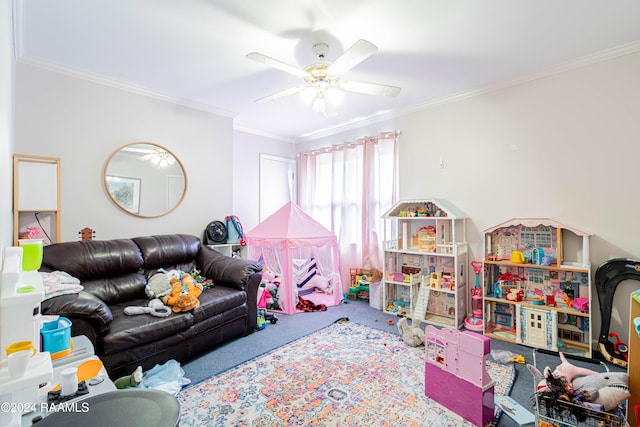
{"x": 604, "y": 389}
{"x": 184, "y": 294}
{"x": 155, "y": 308}
{"x": 158, "y": 285}
{"x": 129, "y": 380}
{"x": 412, "y": 336}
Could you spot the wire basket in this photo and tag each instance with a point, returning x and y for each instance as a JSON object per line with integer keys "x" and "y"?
{"x": 568, "y": 414}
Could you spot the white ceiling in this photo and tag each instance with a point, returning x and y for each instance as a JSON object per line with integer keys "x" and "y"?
{"x": 193, "y": 51}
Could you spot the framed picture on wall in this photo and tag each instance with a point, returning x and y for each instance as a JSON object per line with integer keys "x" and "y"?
{"x": 126, "y": 191}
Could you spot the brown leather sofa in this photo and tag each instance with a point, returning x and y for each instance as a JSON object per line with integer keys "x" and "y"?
{"x": 114, "y": 274}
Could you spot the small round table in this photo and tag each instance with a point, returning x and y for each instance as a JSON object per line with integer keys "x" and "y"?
{"x": 135, "y": 407}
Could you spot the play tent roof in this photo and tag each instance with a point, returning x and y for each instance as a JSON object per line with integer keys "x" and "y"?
{"x": 292, "y": 225}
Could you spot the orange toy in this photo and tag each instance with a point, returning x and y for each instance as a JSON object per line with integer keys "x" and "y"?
{"x": 184, "y": 294}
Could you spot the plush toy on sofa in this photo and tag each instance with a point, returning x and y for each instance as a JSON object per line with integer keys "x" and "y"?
{"x": 159, "y": 285}
{"x": 155, "y": 308}
{"x": 184, "y": 294}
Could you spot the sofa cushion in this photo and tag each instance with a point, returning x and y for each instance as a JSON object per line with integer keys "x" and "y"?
{"x": 128, "y": 331}
{"x": 170, "y": 251}
{"x": 108, "y": 269}
{"x": 217, "y": 300}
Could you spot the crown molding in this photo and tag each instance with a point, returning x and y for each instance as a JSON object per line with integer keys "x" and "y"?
{"x": 583, "y": 61}
{"x": 240, "y": 128}
{"x": 118, "y": 84}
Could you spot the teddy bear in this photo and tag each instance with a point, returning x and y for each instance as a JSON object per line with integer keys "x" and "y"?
{"x": 184, "y": 294}
{"x": 412, "y": 336}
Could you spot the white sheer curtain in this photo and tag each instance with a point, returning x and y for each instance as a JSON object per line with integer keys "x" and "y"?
{"x": 347, "y": 188}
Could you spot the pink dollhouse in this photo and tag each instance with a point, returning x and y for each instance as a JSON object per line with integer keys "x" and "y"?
{"x": 456, "y": 375}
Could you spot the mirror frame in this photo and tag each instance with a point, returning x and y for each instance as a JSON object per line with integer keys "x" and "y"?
{"x": 115, "y": 202}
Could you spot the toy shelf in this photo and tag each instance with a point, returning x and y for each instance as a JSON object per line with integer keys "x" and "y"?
{"x": 576, "y": 268}
{"x": 530, "y": 285}
{"x": 425, "y": 255}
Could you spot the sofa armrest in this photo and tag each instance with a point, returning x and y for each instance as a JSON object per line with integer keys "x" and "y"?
{"x": 82, "y": 305}
{"x": 225, "y": 270}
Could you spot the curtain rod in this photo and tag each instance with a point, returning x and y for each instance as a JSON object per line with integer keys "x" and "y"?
{"x": 361, "y": 140}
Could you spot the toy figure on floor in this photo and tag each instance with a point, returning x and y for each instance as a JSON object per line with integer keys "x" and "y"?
{"x": 412, "y": 336}
{"x": 129, "y": 380}
{"x": 306, "y": 305}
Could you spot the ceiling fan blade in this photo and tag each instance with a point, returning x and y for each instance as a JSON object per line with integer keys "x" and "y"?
{"x": 280, "y": 94}
{"x": 370, "y": 88}
{"x": 357, "y": 53}
{"x": 258, "y": 57}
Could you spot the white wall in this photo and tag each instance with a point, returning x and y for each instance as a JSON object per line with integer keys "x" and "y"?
{"x": 247, "y": 148}
{"x": 565, "y": 147}
{"x": 83, "y": 123}
{"x": 7, "y": 77}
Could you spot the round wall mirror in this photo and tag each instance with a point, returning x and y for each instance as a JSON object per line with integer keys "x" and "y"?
{"x": 145, "y": 179}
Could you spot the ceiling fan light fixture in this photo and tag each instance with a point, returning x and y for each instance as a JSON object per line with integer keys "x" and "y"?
{"x": 335, "y": 95}
{"x": 325, "y": 86}
{"x": 162, "y": 159}
{"x": 307, "y": 94}
{"x": 319, "y": 105}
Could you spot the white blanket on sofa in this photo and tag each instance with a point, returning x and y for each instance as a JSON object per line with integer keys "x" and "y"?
{"x": 59, "y": 283}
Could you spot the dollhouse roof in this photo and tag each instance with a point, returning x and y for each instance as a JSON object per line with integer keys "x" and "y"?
{"x": 447, "y": 208}
{"x": 291, "y": 226}
{"x": 533, "y": 222}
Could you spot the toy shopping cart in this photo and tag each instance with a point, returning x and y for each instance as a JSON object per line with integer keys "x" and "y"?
{"x": 559, "y": 413}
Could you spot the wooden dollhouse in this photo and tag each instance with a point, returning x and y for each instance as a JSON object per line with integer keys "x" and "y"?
{"x": 533, "y": 271}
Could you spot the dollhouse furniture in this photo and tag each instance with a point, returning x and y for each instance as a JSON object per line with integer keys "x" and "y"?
{"x": 425, "y": 261}
{"x": 530, "y": 302}
{"x": 456, "y": 374}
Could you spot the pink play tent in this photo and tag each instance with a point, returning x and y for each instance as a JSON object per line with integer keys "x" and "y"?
{"x": 302, "y": 252}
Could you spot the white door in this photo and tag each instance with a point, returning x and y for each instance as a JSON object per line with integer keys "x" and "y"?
{"x": 277, "y": 183}
{"x": 537, "y": 328}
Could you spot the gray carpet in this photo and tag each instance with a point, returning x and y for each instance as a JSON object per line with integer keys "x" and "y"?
{"x": 289, "y": 328}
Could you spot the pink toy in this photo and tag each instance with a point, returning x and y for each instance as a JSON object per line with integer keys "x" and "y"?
{"x": 569, "y": 371}
{"x": 456, "y": 375}
{"x": 581, "y": 304}
{"x": 33, "y": 233}
{"x": 475, "y": 323}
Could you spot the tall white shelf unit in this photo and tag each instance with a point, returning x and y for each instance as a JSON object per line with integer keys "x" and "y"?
{"x": 425, "y": 262}
{"x": 235, "y": 250}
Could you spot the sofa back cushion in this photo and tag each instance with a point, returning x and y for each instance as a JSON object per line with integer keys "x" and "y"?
{"x": 170, "y": 252}
{"x": 109, "y": 269}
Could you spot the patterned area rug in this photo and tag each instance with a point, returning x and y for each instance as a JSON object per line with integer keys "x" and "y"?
{"x": 343, "y": 375}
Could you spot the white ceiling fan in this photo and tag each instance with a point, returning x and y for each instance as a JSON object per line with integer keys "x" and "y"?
{"x": 157, "y": 155}
{"x": 324, "y": 85}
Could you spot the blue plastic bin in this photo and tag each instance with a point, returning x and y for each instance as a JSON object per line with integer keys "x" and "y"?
{"x": 56, "y": 335}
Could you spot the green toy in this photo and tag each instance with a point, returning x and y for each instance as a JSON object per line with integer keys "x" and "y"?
{"x": 129, "y": 380}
